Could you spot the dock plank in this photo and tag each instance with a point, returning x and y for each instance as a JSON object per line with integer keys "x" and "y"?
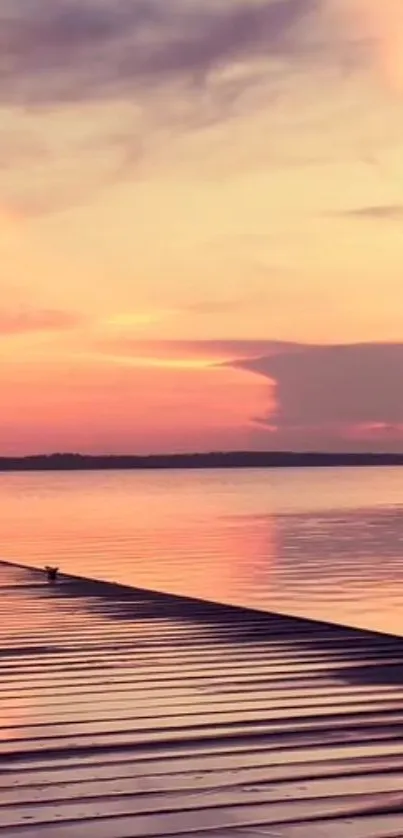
{"x": 132, "y": 714}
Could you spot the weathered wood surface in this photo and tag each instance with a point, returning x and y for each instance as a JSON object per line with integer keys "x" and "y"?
{"x": 125, "y": 713}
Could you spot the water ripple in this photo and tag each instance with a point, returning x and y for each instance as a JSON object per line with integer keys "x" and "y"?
{"x": 321, "y": 543}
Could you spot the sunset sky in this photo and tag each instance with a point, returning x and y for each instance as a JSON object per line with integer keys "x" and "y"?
{"x": 201, "y": 225}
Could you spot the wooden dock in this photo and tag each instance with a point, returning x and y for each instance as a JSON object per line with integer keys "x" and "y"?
{"x": 126, "y": 714}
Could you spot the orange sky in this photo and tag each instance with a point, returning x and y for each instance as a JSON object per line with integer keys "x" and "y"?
{"x": 183, "y": 183}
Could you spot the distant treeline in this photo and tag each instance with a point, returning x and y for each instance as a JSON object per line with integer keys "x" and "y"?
{"x": 230, "y": 459}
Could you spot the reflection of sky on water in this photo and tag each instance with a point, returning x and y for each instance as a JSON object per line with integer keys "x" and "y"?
{"x": 344, "y": 566}
{"x": 322, "y": 543}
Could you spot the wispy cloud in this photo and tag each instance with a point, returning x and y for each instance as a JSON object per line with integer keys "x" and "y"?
{"x": 39, "y": 320}
{"x": 380, "y": 24}
{"x": 219, "y": 351}
{"x": 120, "y": 77}
{"x": 139, "y": 73}
{"x": 393, "y": 212}
{"x": 73, "y": 50}
{"x": 212, "y": 307}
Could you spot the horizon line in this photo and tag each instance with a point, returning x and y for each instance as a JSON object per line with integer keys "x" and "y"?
{"x": 209, "y": 459}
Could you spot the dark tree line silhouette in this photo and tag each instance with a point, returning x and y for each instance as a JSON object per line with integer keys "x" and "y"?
{"x": 214, "y": 459}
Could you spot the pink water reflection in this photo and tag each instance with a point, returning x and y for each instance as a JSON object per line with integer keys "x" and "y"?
{"x": 327, "y": 544}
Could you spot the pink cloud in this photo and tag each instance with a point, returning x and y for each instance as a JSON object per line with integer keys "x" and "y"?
{"x": 380, "y": 24}
{"x": 37, "y": 320}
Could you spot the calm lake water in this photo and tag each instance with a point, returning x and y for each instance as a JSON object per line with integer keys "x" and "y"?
{"x": 326, "y": 543}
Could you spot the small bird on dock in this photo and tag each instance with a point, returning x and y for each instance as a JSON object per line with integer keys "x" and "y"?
{"x": 51, "y": 573}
